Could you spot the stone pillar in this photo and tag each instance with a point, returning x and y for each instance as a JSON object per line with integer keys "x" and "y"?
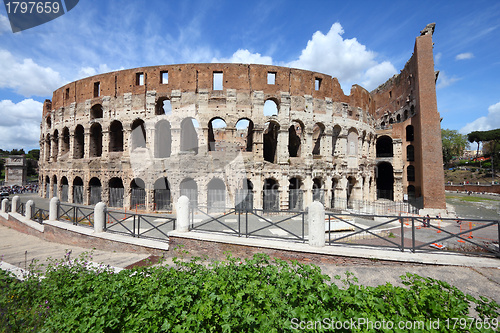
{"x": 86, "y": 145}
{"x": 182, "y": 214}
{"x": 54, "y": 209}
{"x": 71, "y": 145}
{"x": 30, "y": 207}
{"x": 4, "y": 205}
{"x": 150, "y": 204}
{"x": 308, "y": 185}
{"x": 99, "y": 217}
{"x": 316, "y": 222}
{"x": 15, "y": 204}
{"x": 105, "y": 144}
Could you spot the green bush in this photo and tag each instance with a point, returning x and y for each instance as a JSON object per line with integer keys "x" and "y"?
{"x": 254, "y": 295}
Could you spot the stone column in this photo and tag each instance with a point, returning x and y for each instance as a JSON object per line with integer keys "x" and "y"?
{"x": 316, "y": 222}
{"x": 54, "y": 209}
{"x": 105, "y": 144}
{"x": 282, "y": 146}
{"x": 182, "y": 224}
{"x": 30, "y": 208}
{"x": 4, "y": 205}
{"x": 86, "y": 144}
{"x": 99, "y": 217}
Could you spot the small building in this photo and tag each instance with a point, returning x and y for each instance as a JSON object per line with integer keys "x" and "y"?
{"x": 15, "y": 170}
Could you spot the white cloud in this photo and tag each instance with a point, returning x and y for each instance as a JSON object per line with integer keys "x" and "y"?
{"x": 4, "y": 24}
{"x": 20, "y": 125}
{"x": 486, "y": 123}
{"x": 463, "y": 56}
{"x": 91, "y": 71}
{"x": 26, "y": 77}
{"x": 246, "y": 57}
{"x": 437, "y": 58}
{"x": 444, "y": 81}
{"x": 346, "y": 59}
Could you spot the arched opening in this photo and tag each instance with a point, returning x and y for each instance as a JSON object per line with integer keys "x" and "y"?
{"x": 271, "y": 141}
{"x": 384, "y": 146}
{"x": 295, "y": 135}
{"x": 352, "y": 142}
{"x": 244, "y": 134}
{"x": 96, "y": 112}
{"x": 270, "y": 108}
{"x": 411, "y": 193}
{"x": 95, "y": 145}
{"x": 270, "y": 195}
{"x": 55, "y": 140}
{"x": 385, "y": 181}
{"x": 163, "y": 106}
{"x": 217, "y": 140}
{"x": 405, "y": 115}
{"x": 47, "y": 187}
{"x": 163, "y": 139}
{"x": 54, "y": 186}
{"x": 318, "y": 132}
{"x": 79, "y": 142}
{"x": 318, "y": 192}
{"x": 162, "y": 195}
{"x": 116, "y": 192}
{"x": 48, "y": 121}
{"x": 137, "y": 194}
{"x": 48, "y": 144}
{"x": 398, "y": 118}
{"x": 335, "y": 136}
{"x": 410, "y": 173}
{"x": 409, "y": 133}
{"x": 116, "y": 136}
{"x": 295, "y": 194}
{"x": 244, "y": 196}
{"x": 216, "y": 195}
{"x": 78, "y": 190}
{"x": 64, "y": 189}
{"x": 410, "y": 153}
{"x": 351, "y": 183}
{"x": 65, "y": 141}
{"x": 189, "y": 136}
{"x": 95, "y": 191}
{"x": 138, "y": 134}
{"x": 189, "y": 188}
{"x": 333, "y": 200}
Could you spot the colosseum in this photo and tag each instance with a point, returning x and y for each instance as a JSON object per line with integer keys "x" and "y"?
{"x": 267, "y": 137}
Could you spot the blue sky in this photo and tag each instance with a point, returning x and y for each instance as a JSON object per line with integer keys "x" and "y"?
{"x": 363, "y": 42}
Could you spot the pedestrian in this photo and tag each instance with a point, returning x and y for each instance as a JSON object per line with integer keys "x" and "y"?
{"x": 427, "y": 221}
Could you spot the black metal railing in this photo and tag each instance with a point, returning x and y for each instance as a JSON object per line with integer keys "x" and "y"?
{"x": 76, "y": 215}
{"x": 39, "y": 215}
{"x": 139, "y": 225}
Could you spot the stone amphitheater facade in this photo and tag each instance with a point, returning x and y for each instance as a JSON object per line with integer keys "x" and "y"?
{"x": 268, "y": 136}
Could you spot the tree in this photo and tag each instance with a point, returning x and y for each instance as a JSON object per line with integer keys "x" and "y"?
{"x": 454, "y": 144}
{"x": 491, "y": 143}
{"x": 17, "y": 152}
{"x": 34, "y": 154}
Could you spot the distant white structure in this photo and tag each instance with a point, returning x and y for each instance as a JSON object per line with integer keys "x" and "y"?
{"x": 15, "y": 170}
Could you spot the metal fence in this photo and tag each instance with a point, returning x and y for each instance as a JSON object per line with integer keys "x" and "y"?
{"x": 139, "y": 225}
{"x": 64, "y": 193}
{"x": 296, "y": 200}
{"x": 244, "y": 199}
{"x": 288, "y": 225}
{"x": 116, "y": 196}
{"x": 95, "y": 194}
{"x": 138, "y": 198}
{"x": 375, "y": 207}
{"x": 163, "y": 199}
{"x": 76, "y": 215}
{"x": 39, "y": 215}
{"x": 78, "y": 194}
{"x": 271, "y": 200}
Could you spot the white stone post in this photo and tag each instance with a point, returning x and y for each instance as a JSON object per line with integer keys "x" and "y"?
{"x": 54, "y": 209}
{"x": 316, "y": 221}
{"x": 15, "y": 204}
{"x": 30, "y": 207}
{"x": 182, "y": 214}
{"x": 99, "y": 217}
{"x": 4, "y": 205}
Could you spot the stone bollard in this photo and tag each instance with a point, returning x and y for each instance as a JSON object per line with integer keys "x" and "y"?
{"x": 4, "y": 205}
{"x": 54, "y": 209}
{"x": 182, "y": 214}
{"x": 15, "y": 204}
{"x": 99, "y": 217}
{"x": 316, "y": 221}
{"x": 30, "y": 207}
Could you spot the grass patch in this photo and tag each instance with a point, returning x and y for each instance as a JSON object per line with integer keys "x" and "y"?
{"x": 469, "y": 198}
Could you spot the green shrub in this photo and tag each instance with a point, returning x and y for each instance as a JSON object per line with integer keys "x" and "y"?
{"x": 257, "y": 295}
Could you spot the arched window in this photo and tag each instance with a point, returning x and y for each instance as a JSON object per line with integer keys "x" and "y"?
{"x": 189, "y": 188}
{"x": 48, "y": 149}
{"x": 318, "y": 131}
{"x": 335, "y": 135}
{"x": 55, "y": 140}
{"x": 410, "y": 153}
{"x": 47, "y": 187}
{"x": 295, "y": 194}
{"x": 96, "y": 112}
{"x": 138, "y": 134}
{"x": 244, "y": 196}
{"x": 384, "y": 146}
{"x": 78, "y": 190}
{"x": 95, "y": 191}
{"x": 385, "y": 181}
{"x": 95, "y": 140}
{"x": 217, "y": 135}
{"x": 270, "y": 108}
{"x": 64, "y": 189}
{"x": 116, "y": 136}
{"x": 352, "y": 142}
{"x": 48, "y": 121}
{"x": 116, "y": 192}
{"x": 410, "y": 173}
{"x": 295, "y": 137}
{"x": 270, "y": 195}
{"x": 244, "y": 134}
{"x": 318, "y": 192}
{"x": 79, "y": 142}
{"x": 216, "y": 195}
{"x": 65, "y": 141}
{"x": 271, "y": 141}
{"x": 409, "y": 133}
{"x": 411, "y": 192}
{"x": 163, "y": 140}
{"x": 163, "y": 106}
{"x": 162, "y": 195}
{"x": 54, "y": 186}
{"x": 137, "y": 194}
{"x": 189, "y": 135}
